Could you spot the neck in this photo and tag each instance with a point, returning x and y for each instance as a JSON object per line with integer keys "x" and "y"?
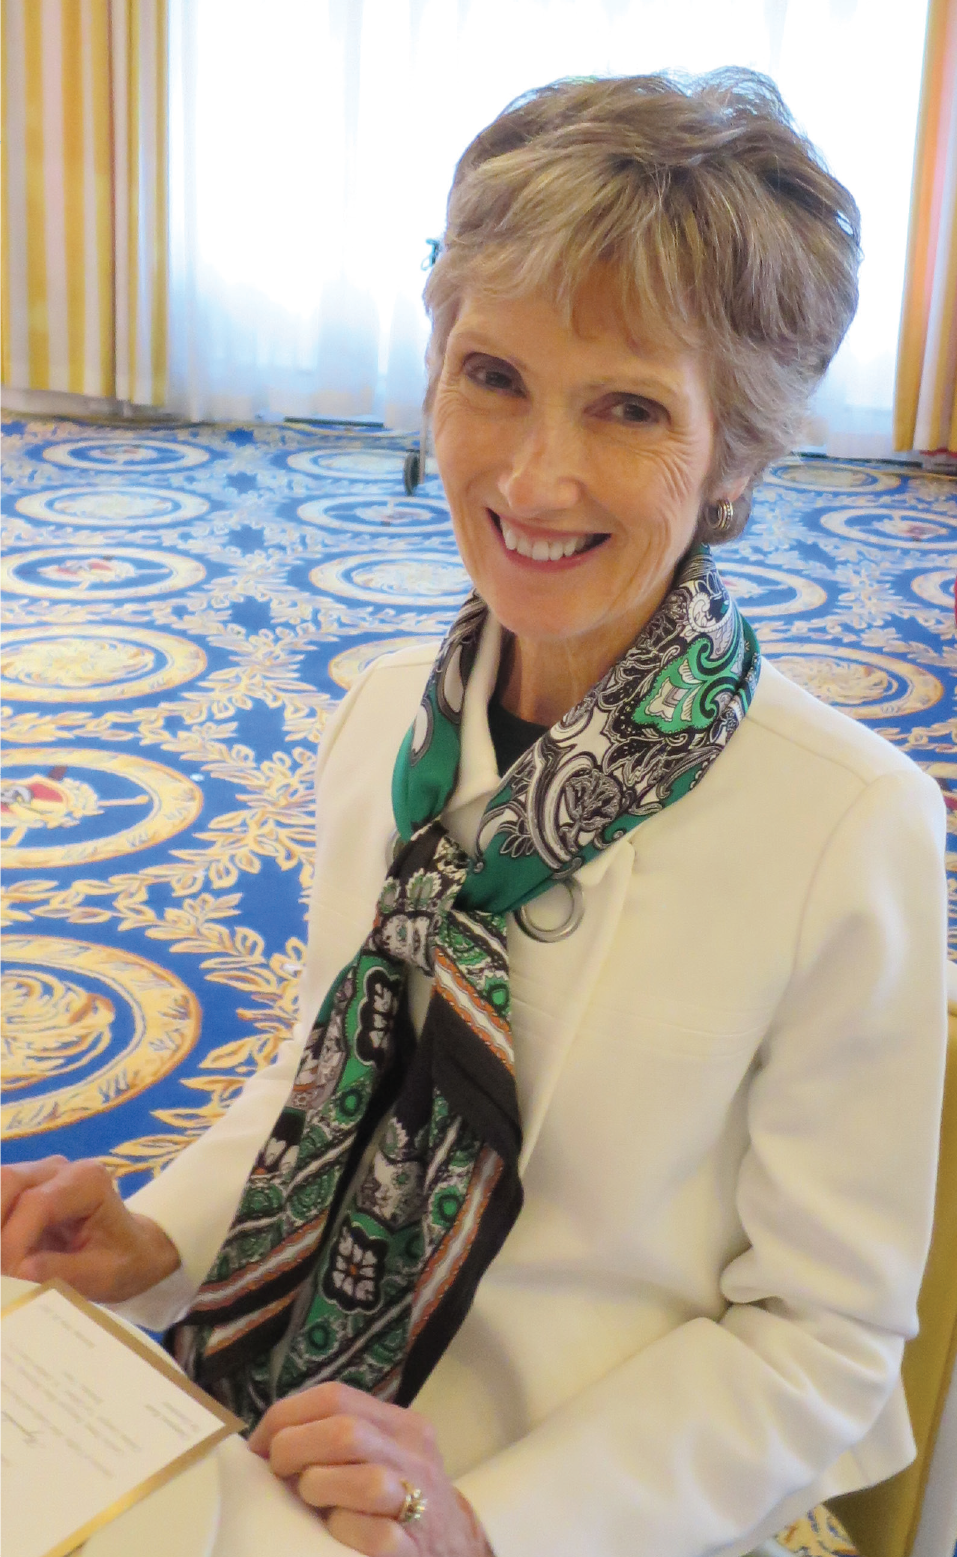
{"x": 540, "y": 679}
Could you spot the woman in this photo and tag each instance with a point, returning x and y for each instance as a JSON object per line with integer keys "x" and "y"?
{"x": 613, "y": 1145}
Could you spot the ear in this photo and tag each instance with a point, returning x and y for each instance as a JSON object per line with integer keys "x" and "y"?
{"x": 734, "y": 487}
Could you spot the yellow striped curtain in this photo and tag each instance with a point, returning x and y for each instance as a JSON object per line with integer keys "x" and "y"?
{"x": 925, "y": 400}
{"x": 85, "y": 197}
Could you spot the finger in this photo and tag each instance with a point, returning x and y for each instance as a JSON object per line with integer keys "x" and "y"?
{"x": 14, "y": 1180}
{"x": 337, "y": 1440}
{"x": 370, "y": 1534}
{"x": 74, "y": 1194}
{"x": 365, "y": 1489}
{"x": 324, "y": 1400}
{"x": 89, "y": 1271}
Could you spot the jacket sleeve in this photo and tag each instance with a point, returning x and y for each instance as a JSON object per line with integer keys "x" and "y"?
{"x": 713, "y": 1436}
{"x": 194, "y": 1199}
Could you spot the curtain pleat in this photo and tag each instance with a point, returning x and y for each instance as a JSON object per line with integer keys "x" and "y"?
{"x": 85, "y": 197}
{"x": 925, "y": 400}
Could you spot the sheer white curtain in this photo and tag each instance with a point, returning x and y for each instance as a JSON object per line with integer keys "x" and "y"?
{"x": 313, "y": 142}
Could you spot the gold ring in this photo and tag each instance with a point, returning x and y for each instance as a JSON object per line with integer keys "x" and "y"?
{"x": 414, "y": 1504}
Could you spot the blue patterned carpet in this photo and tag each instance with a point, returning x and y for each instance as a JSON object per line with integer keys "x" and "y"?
{"x": 184, "y": 607}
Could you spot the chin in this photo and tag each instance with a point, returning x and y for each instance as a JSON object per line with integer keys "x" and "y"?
{"x": 537, "y": 624}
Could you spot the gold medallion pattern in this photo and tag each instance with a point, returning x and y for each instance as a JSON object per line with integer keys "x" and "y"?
{"x": 47, "y": 790}
{"x": 347, "y": 667}
{"x": 121, "y": 506}
{"x": 912, "y": 529}
{"x": 420, "y": 578}
{"x": 359, "y": 464}
{"x": 759, "y": 590}
{"x": 936, "y": 587}
{"x": 870, "y": 686}
{"x": 50, "y": 1026}
{"x": 60, "y": 1003}
{"x": 126, "y": 454}
{"x": 83, "y": 573}
{"x": 426, "y": 518}
{"x": 831, "y": 476}
{"x": 95, "y": 664}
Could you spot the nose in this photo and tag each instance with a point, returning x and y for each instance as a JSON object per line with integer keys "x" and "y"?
{"x": 541, "y": 471}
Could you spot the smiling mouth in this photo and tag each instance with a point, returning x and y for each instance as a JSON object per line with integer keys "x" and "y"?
{"x": 556, "y": 549}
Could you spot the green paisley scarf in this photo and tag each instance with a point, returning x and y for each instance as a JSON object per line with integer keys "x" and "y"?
{"x": 390, "y": 1179}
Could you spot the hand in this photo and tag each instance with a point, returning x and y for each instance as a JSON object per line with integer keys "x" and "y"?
{"x": 348, "y": 1455}
{"x": 66, "y": 1219}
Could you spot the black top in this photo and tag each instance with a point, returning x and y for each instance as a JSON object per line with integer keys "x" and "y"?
{"x": 510, "y": 735}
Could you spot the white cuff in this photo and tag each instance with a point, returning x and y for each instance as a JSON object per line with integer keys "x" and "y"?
{"x": 160, "y": 1305}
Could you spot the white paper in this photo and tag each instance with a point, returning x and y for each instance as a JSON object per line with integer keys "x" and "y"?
{"x": 260, "y": 1515}
{"x": 86, "y": 1422}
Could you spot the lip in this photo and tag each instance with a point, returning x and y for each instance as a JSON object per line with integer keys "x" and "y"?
{"x": 540, "y": 533}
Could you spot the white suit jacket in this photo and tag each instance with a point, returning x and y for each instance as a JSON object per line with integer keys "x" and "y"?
{"x": 730, "y": 1081}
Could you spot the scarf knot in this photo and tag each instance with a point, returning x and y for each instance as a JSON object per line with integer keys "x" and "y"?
{"x": 423, "y": 882}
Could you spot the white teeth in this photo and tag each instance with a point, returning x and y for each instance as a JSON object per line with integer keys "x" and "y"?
{"x": 542, "y": 551}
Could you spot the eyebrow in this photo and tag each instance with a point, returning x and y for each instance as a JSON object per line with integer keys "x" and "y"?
{"x": 648, "y": 378}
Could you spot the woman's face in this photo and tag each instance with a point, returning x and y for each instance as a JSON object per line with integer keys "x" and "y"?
{"x": 574, "y": 463}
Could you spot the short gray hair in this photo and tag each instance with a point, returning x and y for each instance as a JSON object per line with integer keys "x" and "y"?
{"x": 702, "y": 200}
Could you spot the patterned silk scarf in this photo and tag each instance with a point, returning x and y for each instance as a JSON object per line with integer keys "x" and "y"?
{"x": 390, "y": 1179}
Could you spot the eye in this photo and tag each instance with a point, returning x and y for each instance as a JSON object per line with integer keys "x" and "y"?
{"x": 492, "y": 373}
{"x": 634, "y": 410}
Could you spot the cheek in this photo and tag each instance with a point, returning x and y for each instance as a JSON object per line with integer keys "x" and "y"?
{"x": 454, "y": 455}
{"x": 660, "y": 515}
{"x": 667, "y": 491}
